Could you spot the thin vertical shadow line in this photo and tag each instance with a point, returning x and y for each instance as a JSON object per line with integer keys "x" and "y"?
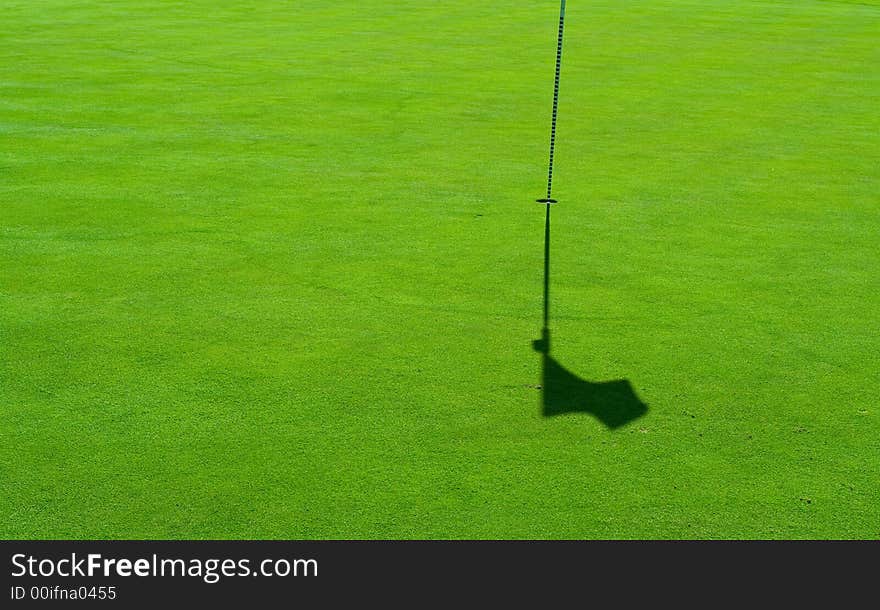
{"x": 547, "y": 268}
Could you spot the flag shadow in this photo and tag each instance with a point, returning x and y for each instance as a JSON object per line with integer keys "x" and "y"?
{"x": 614, "y": 403}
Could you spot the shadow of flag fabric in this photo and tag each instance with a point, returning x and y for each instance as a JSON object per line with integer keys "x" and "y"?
{"x": 614, "y": 403}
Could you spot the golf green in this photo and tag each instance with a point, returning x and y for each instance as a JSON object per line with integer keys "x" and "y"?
{"x": 274, "y": 270}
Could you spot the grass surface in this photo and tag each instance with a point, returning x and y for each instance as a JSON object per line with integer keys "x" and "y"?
{"x": 273, "y": 271}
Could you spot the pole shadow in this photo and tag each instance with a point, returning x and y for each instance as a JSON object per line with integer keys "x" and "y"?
{"x": 614, "y": 403}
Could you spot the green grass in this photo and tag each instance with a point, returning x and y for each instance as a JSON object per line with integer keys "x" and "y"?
{"x": 273, "y": 272}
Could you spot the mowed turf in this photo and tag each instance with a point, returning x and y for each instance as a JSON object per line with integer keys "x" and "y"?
{"x": 274, "y": 271}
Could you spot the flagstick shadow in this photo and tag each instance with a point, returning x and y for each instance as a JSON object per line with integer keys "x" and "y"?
{"x": 614, "y": 403}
